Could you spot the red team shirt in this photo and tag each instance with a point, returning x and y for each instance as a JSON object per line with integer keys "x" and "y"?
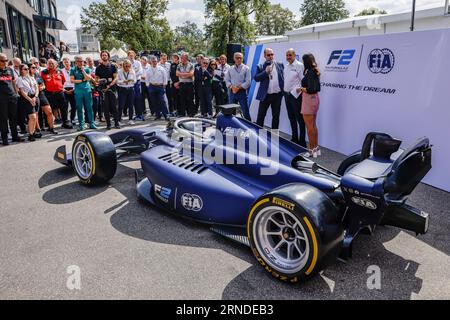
{"x": 54, "y": 80}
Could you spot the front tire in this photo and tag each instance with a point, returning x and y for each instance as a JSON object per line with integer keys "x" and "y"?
{"x": 94, "y": 158}
{"x": 295, "y": 232}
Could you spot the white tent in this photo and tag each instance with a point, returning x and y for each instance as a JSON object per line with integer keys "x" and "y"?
{"x": 113, "y": 52}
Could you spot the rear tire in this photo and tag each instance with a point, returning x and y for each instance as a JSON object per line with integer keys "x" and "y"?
{"x": 94, "y": 158}
{"x": 294, "y": 232}
{"x": 348, "y": 164}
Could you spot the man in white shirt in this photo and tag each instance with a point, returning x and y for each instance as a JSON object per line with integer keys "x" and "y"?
{"x": 293, "y": 75}
{"x": 270, "y": 75}
{"x": 69, "y": 88}
{"x": 125, "y": 83}
{"x": 156, "y": 80}
{"x": 166, "y": 65}
{"x": 144, "y": 90}
{"x": 137, "y": 67}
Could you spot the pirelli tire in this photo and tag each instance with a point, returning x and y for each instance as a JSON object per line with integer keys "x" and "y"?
{"x": 94, "y": 158}
{"x": 305, "y": 221}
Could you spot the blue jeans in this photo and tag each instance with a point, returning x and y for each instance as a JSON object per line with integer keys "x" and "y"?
{"x": 206, "y": 97}
{"x": 138, "y": 108}
{"x": 242, "y": 99}
{"x": 156, "y": 95}
{"x": 126, "y": 100}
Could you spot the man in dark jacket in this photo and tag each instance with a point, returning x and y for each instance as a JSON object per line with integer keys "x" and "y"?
{"x": 175, "y": 83}
{"x": 270, "y": 75}
{"x": 8, "y": 102}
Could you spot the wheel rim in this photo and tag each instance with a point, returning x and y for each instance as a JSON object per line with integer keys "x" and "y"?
{"x": 83, "y": 160}
{"x": 280, "y": 237}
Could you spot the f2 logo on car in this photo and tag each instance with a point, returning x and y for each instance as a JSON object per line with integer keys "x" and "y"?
{"x": 344, "y": 57}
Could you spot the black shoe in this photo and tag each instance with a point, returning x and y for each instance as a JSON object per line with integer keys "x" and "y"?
{"x": 117, "y": 125}
{"x": 18, "y": 139}
{"x": 52, "y": 131}
{"x": 38, "y": 135}
{"x": 67, "y": 126}
{"x": 5, "y": 142}
{"x": 31, "y": 138}
{"x": 23, "y": 132}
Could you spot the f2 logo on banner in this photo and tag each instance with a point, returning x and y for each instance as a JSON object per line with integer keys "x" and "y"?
{"x": 344, "y": 57}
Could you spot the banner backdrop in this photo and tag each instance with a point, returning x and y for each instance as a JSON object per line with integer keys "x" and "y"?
{"x": 396, "y": 83}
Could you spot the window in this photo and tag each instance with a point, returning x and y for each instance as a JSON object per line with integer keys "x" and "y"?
{"x": 34, "y": 4}
{"x": 21, "y": 30}
{"x": 53, "y": 11}
{"x": 45, "y": 8}
{"x": 3, "y": 36}
{"x": 51, "y": 39}
{"x": 87, "y": 38}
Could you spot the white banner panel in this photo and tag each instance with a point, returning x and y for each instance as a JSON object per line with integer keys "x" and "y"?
{"x": 395, "y": 83}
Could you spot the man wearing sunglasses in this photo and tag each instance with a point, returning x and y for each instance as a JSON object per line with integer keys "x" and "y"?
{"x": 8, "y": 102}
{"x": 238, "y": 80}
{"x": 270, "y": 75}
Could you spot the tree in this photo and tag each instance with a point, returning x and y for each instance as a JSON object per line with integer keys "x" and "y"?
{"x": 275, "y": 21}
{"x": 316, "y": 11}
{"x": 229, "y": 22}
{"x": 370, "y": 12}
{"x": 140, "y": 24}
{"x": 188, "y": 37}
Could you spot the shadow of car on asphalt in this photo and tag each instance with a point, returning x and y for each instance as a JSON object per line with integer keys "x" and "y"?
{"x": 339, "y": 281}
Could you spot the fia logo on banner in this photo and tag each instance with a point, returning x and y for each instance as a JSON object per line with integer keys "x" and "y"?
{"x": 381, "y": 61}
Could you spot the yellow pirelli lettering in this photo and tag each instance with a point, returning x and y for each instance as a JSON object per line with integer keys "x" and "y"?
{"x": 283, "y": 203}
{"x": 315, "y": 247}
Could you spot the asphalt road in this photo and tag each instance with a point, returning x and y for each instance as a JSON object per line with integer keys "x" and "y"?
{"x": 125, "y": 249}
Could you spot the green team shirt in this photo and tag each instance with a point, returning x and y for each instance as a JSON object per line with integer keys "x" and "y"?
{"x": 78, "y": 75}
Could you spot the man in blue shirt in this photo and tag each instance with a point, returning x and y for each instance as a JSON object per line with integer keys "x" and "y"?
{"x": 238, "y": 80}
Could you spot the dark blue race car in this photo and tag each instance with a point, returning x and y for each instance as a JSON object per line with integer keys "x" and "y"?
{"x": 255, "y": 187}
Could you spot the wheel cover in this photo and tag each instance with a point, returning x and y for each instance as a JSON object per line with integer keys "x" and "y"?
{"x": 83, "y": 160}
{"x": 281, "y": 239}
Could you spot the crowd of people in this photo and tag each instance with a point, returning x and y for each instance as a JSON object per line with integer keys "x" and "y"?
{"x": 41, "y": 95}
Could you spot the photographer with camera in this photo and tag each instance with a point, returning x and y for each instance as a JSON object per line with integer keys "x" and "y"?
{"x": 106, "y": 76}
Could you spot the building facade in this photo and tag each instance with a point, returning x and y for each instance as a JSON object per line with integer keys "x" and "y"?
{"x": 26, "y": 25}
{"x": 87, "y": 41}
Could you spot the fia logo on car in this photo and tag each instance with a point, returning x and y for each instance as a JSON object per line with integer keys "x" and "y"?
{"x": 364, "y": 203}
{"x": 192, "y": 202}
{"x": 381, "y": 61}
{"x": 163, "y": 193}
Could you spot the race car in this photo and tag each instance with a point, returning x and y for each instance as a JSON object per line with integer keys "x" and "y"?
{"x": 257, "y": 188}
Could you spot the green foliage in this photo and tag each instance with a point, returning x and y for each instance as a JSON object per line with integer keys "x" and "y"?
{"x": 275, "y": 21}
{"x": 140, "y": 24}
{"x": 316, "y": 11}
{"x": 370, "y": 12}
{"x": 229, "y": 22}
{"x": 188, "y": 37}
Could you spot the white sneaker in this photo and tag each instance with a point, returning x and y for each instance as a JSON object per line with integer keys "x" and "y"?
{"x": 308, "y": 154}
{"x": 131, "y": 122}
{"x": 319, "y": 152}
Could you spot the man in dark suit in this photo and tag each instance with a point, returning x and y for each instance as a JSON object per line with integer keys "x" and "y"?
{"x": 270, "y": 75}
